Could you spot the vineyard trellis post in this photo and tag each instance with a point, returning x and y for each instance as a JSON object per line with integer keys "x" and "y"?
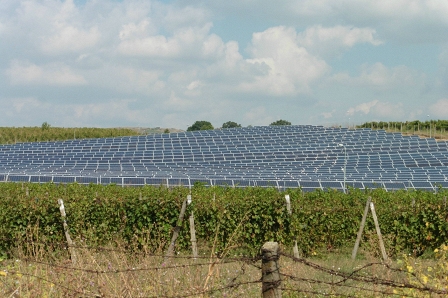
{"x": 271, "y": 280}
{"x": 66, "y": 231}
{"x": 377, "y": 228}
{"x": 194, "y": 246}
{"x": 378, "y": 231}
{"x": 295, "y": 249}
{"x": 170, "y": 251}
{"x": 361, "y": 228}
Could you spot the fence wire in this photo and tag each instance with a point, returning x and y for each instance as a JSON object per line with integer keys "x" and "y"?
{"x": 110, "y": 272}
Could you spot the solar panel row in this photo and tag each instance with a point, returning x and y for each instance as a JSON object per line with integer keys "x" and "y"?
{"x": 295, "y": 156}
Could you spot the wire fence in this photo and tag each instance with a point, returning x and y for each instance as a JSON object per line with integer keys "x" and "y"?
{"x": 119, "y": 272}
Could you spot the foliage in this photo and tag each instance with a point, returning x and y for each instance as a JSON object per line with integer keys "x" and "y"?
{"x": 420, "y": 274}
{"x": 230, "y": 124}
{"x": 45, "y": 126}
{"x": 415, "y": 125}
{"x": 200, "y": 125}
{"x": 320, "y": 220}
{"x": 11, "y": 135}
{"x": 280, "y": 122}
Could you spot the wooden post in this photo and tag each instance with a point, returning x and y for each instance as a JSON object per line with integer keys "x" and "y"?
{"x": 361, "y": 228}
{"x": 378, "y": 231}
{"x": 295, "y": 249}
{"x": 270, "y": 271}
{"x": 67, "y": 234}
{"x": 176, "y": 231}
{"x": 288, "y": 204}
{"x": 194, "y": 246}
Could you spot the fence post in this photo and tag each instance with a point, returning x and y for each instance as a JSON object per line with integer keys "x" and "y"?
{"x": 295, "y": 249}
{"x": 270, "y": 270}
{"x": 176, "y": 231}
{"x": 361, "y": 228}
{"x": 194, "y": 246}
{"x": 378, "y": 231}
{"x": 67, "y": 234}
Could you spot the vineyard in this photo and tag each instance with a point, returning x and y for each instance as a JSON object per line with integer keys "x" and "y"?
{"x": 12, "y": 135}
{"x": 411, "y": 221}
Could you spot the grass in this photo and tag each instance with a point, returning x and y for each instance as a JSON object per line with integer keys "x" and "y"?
{"x": 114, "y": 271}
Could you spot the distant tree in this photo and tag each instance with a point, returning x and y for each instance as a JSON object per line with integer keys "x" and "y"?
{"x": 166, "y": 130}
{"x": 200, "y": 125}
{"x": 45, "y": 125}
{"x": 281, "y": 122}
{"x": 230, "y": 124}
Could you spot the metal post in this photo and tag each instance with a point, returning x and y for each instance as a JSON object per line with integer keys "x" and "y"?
{"x": 345, "y": 166}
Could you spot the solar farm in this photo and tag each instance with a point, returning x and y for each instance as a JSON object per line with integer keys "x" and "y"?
{"x": 305, "y": 156}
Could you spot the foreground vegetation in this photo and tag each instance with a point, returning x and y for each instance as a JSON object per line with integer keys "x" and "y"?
{"x": 411, "y": 221}
{"x": 121, "y": 235}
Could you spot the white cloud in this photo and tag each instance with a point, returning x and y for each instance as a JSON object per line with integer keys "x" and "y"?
{"x": 70, "y": 39}
{"x": 139, "y": 30}
{"x": 258, "y": 116}
{"x": 185, "y": 42}
{"x": 378, "y": 108}
{"x": 439, "y": 108}
{"x": 177, "y": 103}
{"x": 175, "y": 61}
{"x": 380, "y": 77}
{"x": 25, "y": 73}
{"x": 327, "y": 41}
{"x": 363, "y": 108}
{"x": 152, "y": 46}
{"x": 290, "y": 68}
{"x": 388, "y": 110}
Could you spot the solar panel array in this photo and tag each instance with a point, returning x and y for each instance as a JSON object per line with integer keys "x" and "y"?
{"x": 310, "y": 157}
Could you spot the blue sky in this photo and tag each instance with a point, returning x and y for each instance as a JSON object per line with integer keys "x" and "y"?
{"x": 109, "y": 63}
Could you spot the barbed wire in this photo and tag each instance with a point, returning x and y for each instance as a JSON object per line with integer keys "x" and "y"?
{"x": 357, "y": 280}
{"x": 355, "y": 276}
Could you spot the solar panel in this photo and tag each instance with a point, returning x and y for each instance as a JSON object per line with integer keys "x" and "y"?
{"x": 16, "y": 178}
{"x": 293, "y": 156}
{"x": 63, "y": 179}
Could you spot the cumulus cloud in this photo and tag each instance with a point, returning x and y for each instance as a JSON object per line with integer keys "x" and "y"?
{"x": 70, "y": 39}
{"x": 378, "y": 108}
{"x": 329, "y": 41}
{"x": 380, "y": 77}
{"x": 399, "y": 21}
{"x": 258, "y": 116}
{"x": 25, "y": 73}
{"x": 363, "y": 108}
{"x": 290, "y": 68}
{"x": 172, "y": 61}
{"x": 439, "y": 108}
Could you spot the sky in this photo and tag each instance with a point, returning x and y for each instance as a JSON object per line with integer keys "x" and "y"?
{"x": 142, "y": 63}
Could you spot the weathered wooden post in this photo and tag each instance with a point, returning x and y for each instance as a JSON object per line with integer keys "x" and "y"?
{"x": 361, "y": 228}
{"x": 67, "y": 234}
{"x": 170, "y": 251}
{"x": 295, "y": 249}
{"x": 271, "y": 280}
{"x": 194, "y": 246}
{"x": 378, "y": 231}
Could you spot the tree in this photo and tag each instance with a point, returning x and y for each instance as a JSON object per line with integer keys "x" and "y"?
{"x": 281, "y": 122}
{"x": 166, "y": 130}
{"x": 200, "y": 125}
{"x": 230, "y": 124}
{"x": 45, "y": 125}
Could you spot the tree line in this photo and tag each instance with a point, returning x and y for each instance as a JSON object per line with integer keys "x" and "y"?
{"x": 206, "y": 125}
